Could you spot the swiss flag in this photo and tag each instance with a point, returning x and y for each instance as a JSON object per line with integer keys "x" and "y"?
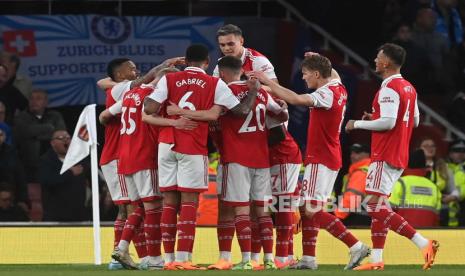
{"x": 21, "y": 42}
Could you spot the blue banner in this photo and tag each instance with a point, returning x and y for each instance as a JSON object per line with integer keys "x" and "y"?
{"x": 66, "y": 55}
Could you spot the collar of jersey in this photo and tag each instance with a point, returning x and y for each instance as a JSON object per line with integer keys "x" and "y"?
{"x": 197, "y": 69}
{"x": 385, "y": 82}
{"x": 244, "y": 54}
{"x": 237, "y": 82}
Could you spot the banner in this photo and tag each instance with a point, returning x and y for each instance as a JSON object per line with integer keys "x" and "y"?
{"x": 66, "y": 55}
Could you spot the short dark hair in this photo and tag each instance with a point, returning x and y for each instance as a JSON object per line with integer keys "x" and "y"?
{"x": 114, "y": 65}
{"x": 196, "y": 53}
{"x": 230, "y": 63}
{"x": 229, "y": 29}
{"x": 318, "y": 63}
{"x": 394, "y": 52}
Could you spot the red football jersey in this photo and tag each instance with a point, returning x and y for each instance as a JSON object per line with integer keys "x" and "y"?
{"x": 397, "y": 98}
{"x": 323, "y": 143}
{"x": 245, "y": 140}
{"x": 195, "y": 90}
{"x": 110, "y": 147}
{"x": 286, "y": 152}
{"x": 138, "y": 145}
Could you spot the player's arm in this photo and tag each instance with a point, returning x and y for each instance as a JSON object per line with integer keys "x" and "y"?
{"x": 180, "y": 123}
{"x": 150, "y": 76}
{"x": 389, "y": 102}
{"x": 110, "y": 112}
{"x": 244, "y": 107}
{"x": 283, "y": 93}
{"x": 106, "y": 83}
{"x": 211, "y": 114}
{"x": 278, "y": 109}
{"x": 153, "y": 101}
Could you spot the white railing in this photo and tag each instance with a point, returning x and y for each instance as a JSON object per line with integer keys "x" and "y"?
{"x": 349, "y": 54}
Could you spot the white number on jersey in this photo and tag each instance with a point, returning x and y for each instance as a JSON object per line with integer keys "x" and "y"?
{"x": 342, "y": 118}
{"x": 246, "y": 127}
{"x": 132, "y": 123}
{"x": 407, "y": 113}
{"x": 184, "y": 103}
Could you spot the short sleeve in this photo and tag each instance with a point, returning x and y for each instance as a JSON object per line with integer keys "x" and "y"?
{"x": 216, "y": 72}
{"x": 224, "y": 95}
{"x": 273, "y": 106}
{"x": 119, "y": 89}
{"x": 388, "y": 101}
{"x": 323, "y": 98}
{"x": 261, "y": 63}
{"x": 116, "y": 108}
{"x": 160, "y": 94}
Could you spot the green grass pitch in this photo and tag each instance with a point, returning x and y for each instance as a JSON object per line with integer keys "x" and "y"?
{"x": 327, "y": 270}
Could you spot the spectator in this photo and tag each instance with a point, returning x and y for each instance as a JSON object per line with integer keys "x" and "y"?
{"x": 4, "y": 126}
{"x": 457, "y": 165}
{"x": 12, "y": 171}
{"x": 417, "y": 66}
{"x": 354, "y": 186}
{"x": 22, "y": 83}
{"x": 436, "y": 47}
{"x": 63, "y": 196}
{"x": 415, "y": 197}
{"x": 33, "y": 130}
{"x": 443, "y": 177}
{"x": 9, "y": 211}
{"x": 10, "y": 96}
{"x": 448, "y": 22}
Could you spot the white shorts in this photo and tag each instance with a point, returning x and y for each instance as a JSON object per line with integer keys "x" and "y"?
{"x": 142, "y": 185}
{"x": 117, "y": 188}
{"x": 284, "y": 178}
{"x": 381, "y": 178}
{"x": 318, "y": 183}
{"x": 181, "y": 172}
{"x": 241, "y": 184}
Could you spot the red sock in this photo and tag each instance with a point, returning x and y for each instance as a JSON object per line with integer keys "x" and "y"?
{"x": 139, "y": 241}
{"x": 243, "y": 231}
{"x": 169, "y": 218}
{"x": 310, "y": 230}
{"x": 225, "y": 232}
{"x": 256, "y": 241}
{"x": 290, "y": 247}
{"x": 283, "y": 233}
{"x": 131, "y": 224}
{"x": 378, "y": 233}
{"x": 266, "y": 233}
{"x": 186, "y": 226}
{"x": 391, "y": 219}
{"x": 335, "y": 227}
{"x": 118, "y": 228}
{"x": 152, "y": 231}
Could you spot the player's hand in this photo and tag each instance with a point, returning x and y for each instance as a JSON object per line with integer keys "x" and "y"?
{"x": 367, "y": 116}
{"x": 173, "y": 109}
{"x": 185, "y": 124}
{"x": 253, "y": 84}
{"x": 260, "y": 75}
{"x": 175, "y": 61}
{"x": 350, "y": 126}
{"x": 309, "y": 54}
{"x": 77, "y": 170}
{"x": 282, "y": 103}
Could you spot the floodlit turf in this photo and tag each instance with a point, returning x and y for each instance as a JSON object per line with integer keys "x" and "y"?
{"x": 89, "y": 270}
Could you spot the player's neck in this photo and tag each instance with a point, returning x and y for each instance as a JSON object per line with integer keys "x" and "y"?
{"x": 390, "y": 72}
{"x": 241, "y": 53}
{"x": 323, "y": 82}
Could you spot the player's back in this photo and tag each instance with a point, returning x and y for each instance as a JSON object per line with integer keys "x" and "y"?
{"x": 323, "y": 137}
{"x": 392, "y": 146}
{"x": 245, "y": 140}
{"x": 191, "y": 89}
{"x": 138, "y": 140}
